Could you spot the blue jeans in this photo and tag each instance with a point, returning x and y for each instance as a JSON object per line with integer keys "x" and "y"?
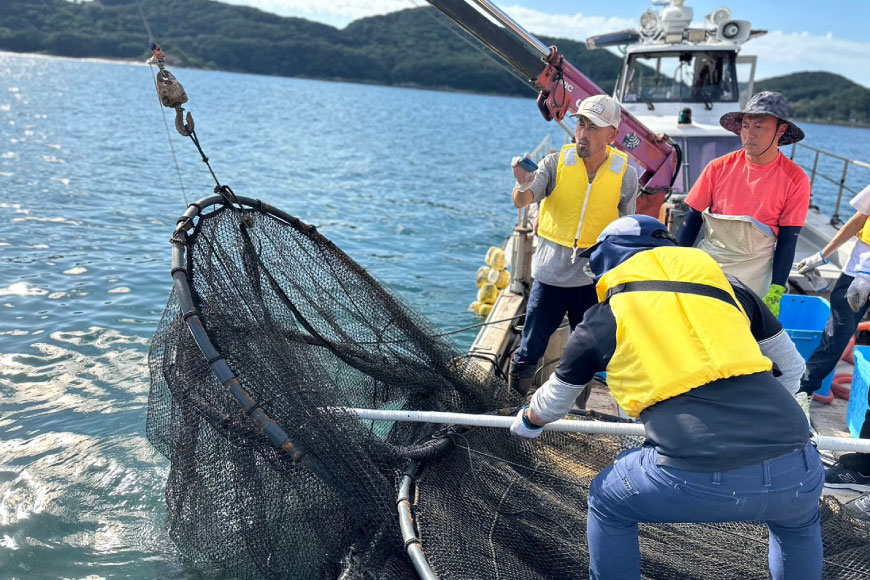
{"x": 783, "y": 492}
{"x": 844, "y": 322}
{"x": 546, "y": 309}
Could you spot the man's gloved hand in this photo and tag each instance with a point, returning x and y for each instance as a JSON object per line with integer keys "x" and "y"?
{"x": 858, "y": 290}
{"x": 811, "y": 263}
{"x": 523, "y": 427}
{"x": 774, "y": 297}
{"x": 523, "y": 177}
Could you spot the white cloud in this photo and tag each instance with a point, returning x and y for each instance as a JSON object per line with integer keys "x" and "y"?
{"x": 335, "y": 12}
{"x": 781, "y": 53}
{"x": 573, "y": 26}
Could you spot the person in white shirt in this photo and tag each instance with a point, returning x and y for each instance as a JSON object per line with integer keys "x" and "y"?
{"x": 849, "y": 304}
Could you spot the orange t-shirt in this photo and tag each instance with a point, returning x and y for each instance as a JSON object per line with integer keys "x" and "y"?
{"x": 776, "y": 194}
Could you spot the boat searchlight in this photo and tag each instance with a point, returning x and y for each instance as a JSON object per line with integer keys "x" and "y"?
{"x": 718, "y": 16}
{"x": 673, "y": 26}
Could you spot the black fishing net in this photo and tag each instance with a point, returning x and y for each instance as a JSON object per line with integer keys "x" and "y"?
{"x": 307, "y": 332}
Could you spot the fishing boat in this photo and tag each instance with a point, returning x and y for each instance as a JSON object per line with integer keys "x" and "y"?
{"x": 677, "y": 80}
{"x": 302, "y": 404}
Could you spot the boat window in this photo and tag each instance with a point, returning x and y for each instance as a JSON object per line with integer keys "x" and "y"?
{"x": 680, "y": 77}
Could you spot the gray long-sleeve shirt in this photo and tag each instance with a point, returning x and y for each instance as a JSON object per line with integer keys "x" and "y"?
{"x": 551, "y": 263}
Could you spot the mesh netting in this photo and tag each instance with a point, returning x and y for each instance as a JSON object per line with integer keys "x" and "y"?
{"x": 307, "y": 331}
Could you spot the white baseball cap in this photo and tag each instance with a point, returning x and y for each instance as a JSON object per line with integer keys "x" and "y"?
{"x": 602, "y": 110}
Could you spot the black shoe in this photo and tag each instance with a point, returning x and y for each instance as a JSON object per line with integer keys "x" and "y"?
{"x": 838, "y": 476}
{"x": 521, "y": 378}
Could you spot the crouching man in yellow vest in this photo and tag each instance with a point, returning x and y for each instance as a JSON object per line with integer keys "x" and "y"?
{"x": 582, "y": 188}
{"x": 689, "y": 352}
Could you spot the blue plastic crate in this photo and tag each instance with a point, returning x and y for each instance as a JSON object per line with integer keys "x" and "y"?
{"x": 804, "y": 319}
{"x": 858, "y": 403}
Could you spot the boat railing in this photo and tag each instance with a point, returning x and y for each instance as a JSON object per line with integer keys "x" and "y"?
{"x": 830, "y": 172}
{"x": 542, "y": 150}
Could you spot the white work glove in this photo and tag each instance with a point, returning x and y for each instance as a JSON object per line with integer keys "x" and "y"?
{"x": 811, "y": 263}
{"x": 522, "y": 427}
{"x": 523, "y": 177}
{"x": 858, "y": 291}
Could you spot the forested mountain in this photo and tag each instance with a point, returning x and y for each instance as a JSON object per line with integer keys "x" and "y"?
{"x": 416, "y": 47}
{"x": 822, "y": 96}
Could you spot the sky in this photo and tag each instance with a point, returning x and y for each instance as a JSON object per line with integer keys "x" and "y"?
{"x": 802, "y": 34}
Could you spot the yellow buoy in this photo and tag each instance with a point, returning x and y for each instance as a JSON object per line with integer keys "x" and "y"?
{"x": 501, "y": 278}
{"x": 495, "y": 257}
{"x": 485, "y": 309}
{"x": 483, "y": 275}
{"x": 487, "y": 294}
{"x": 474, "y": 307}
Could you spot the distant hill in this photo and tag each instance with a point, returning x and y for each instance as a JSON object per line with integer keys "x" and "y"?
{"x": 415, "y": 47}
{"x": 822, "y": 97}
{"x": 418, "y": 47}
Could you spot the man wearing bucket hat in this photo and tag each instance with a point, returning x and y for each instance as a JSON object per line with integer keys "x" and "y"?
{"x": 581, "y": 188}
{"x": 688, "y": 351}
{"x": 753, "y": 202}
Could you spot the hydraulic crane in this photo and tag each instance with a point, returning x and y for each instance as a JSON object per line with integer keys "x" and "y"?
{"x": 561, "y": 87}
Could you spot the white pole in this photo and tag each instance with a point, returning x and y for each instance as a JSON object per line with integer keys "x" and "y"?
{"x": 565, "y": 425}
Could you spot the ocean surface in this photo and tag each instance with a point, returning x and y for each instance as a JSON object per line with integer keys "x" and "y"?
{"x": 414, "y": 185}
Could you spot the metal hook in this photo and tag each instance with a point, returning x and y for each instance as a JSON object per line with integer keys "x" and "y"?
{"x": 186, "y": 129}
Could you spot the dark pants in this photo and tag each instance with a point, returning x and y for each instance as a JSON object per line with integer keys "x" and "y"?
{"x": 783, "y": 492}
{"x": 546, "y": 309}
{"x": 841, "y": 327}
{"x": 844, "y": 322}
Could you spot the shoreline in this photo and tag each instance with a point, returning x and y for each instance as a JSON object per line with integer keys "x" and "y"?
{"x": 833, "y": 123}
{"x": 409, "y": 85}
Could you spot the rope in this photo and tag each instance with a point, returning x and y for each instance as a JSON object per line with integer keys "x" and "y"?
{"x": 162, "y": 111}
{"x": 145, "y": 21}
{"x": 448, "y": 333}
{"x": 219, "y": 188}
{"x": 195, "y": 140}
{"x": 491, "y": 358}
{"x": 488, "y": 323}
{"x": 168, "y": 132}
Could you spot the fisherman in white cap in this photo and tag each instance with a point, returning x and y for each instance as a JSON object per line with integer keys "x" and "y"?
{"x": 582, "y": 188}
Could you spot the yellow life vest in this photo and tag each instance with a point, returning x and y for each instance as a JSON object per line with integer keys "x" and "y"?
{"x": 567, "y": 209}
{"x": 864, "y": 234}
{"x": 670, "y": 342}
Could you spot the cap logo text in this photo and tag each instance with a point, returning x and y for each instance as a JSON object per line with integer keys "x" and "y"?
{"x": 596, "y": 108}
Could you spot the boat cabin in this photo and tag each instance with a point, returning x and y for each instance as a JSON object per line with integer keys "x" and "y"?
{"x": 680, "y": 80}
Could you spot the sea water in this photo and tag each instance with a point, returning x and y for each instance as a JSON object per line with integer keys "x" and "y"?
{"x": 414, "y": 185}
